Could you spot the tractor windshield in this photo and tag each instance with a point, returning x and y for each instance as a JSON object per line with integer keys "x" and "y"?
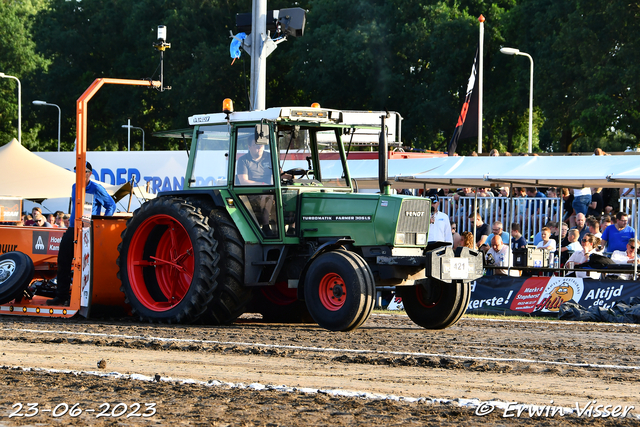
{"x": 211, "y": 157}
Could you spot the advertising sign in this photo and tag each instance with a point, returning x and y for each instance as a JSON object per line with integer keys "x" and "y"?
{"x": 545, "y": 295}
{"x": 46, "y": 242}
{"x": 10, "y": 209}
{"x": 85, "y": 288}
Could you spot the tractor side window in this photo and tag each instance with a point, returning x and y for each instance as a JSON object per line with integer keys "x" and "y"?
{"x": 253, "y": 165}
{"x": 296, "y": 165}
{"x": 211, "y": 159}
{"x": 331, "y": 172}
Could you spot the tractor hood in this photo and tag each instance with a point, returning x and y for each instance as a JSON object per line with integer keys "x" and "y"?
{"x": 352, "y": 215}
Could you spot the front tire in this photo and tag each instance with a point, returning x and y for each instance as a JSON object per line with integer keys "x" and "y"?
{"x": 339, "y": 290}
{"x": 168, "y": 262}
{"x": 16, "y": 272}
{"x": 436, "y": 305}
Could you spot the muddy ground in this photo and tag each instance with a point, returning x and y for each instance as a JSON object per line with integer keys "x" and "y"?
{"x": 388, "y": 372}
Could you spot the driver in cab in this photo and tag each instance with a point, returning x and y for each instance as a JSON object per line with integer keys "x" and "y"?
{"x": 254, "y": 168}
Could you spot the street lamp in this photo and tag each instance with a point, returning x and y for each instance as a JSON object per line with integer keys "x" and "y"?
{"x": 4, "y": 76}
{"x": 512, "y": 51}
{"x": 133, "y": 127}
{"x": 59, "y": 116}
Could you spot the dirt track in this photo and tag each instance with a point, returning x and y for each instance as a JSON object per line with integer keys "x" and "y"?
{"x": 511, "y": 361}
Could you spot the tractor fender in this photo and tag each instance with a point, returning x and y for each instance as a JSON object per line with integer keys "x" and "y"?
{"x": 326, "y": 247}
{"x": 212, "y": 199}
{"x": 214, "y": 195}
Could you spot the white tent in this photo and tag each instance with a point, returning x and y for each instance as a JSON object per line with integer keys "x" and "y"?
{"x": 542, "y": 171}
{"x": 27, "y": 176}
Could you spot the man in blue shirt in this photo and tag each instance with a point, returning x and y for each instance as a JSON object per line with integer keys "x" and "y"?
{"x": 496, "y": 230}
{"x": 65, "y": 251}
{"x": 616, "y": 236}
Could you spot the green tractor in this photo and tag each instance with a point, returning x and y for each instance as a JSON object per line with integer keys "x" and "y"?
{"x": 269, "y": 221}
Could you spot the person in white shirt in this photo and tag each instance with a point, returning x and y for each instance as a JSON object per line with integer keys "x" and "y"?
{"x": 594, "y": 226}
{"x": 626, "y": 257}
{"x": 548, "y": 243}
{"x": 574, "y": 241}
{"x": 440, "y": 227}
{"x": 499, "y": 255}
{"x": 582, "y": 257}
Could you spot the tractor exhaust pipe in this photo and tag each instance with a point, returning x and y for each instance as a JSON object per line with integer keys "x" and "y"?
{"x": 383, "y": 148}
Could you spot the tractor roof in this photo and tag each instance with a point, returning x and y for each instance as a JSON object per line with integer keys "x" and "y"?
{"x": 307, "y": 114}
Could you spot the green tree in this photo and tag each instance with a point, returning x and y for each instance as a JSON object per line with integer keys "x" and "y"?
{"x": 586, "y": 66}
{"x": 18, "y": 58}
{"x": 89, "y": 39}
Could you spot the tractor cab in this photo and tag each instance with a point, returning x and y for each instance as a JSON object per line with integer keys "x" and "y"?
{"x": 266, "y": 160}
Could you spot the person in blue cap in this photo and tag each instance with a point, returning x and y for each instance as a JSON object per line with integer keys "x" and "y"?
{"x": 65, "y": 252}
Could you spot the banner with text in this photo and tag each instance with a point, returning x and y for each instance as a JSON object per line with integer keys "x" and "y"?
{"x": 544, "y": 295}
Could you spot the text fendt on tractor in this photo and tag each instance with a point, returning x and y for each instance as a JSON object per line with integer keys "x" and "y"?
{"x": 268, "y": 221}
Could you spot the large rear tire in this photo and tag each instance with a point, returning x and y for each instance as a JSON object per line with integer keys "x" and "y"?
{"x": 231, "y": 298}
{"x": 16, "y": 272}
{"x": 168, "y": 262}
{"x": 436, "y": 305}
{"x": 339, "y": 290}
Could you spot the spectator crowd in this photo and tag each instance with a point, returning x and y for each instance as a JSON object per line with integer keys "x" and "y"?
{"x": 36, "y": 218}
{"x": 592, "y": 223}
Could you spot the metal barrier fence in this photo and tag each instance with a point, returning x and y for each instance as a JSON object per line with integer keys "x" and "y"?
{"x": 531, "y": 213}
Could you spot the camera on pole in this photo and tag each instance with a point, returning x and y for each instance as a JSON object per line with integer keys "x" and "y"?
{"x": 286, "y": 22}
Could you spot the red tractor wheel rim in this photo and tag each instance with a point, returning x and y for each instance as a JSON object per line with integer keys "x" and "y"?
{"x": 428, "y": 299}
{"x": 280, "y": 293}
{"x": 333, "y": 292}
{"x": 172, "y": 263}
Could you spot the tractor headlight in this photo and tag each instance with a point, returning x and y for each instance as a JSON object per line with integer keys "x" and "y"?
{"x": 421, "y": 239}
{"x": 400, "y": 238}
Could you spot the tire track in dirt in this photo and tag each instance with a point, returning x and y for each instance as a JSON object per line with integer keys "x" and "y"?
{"x": 530, "y": 362}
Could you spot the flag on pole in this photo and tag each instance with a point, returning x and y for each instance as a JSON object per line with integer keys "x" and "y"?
{"x": 467, "y": 125}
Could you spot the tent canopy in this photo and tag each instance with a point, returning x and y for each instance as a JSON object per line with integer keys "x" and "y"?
{"x": 528, "y": 171}
{"x": 25, "y": 175}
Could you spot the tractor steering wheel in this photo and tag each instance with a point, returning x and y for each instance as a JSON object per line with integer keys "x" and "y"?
{"x": 296, "y": 172}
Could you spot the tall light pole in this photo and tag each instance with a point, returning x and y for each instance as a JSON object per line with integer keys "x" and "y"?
{"x": 129, "y": 127}
{"x": 512, "y": 51}
{"x": 59, "y": 116}
{"x": 4, "y": 76}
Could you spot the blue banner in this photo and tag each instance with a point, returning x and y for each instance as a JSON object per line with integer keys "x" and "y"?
{"x": 544, "y": 295}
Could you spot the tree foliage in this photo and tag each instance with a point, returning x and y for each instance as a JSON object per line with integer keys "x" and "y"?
{"x": 411, "y": 56}
{"x": 18, "y": 58}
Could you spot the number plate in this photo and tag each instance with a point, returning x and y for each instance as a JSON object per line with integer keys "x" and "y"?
{"x": 459, "y": 268}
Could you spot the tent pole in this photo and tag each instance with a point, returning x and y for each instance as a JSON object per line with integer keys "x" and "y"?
{"x": 510, "y": 219}
{"x": 560, "y": 222}
{"x": 475, "y": 215}
{"x": 635, "y": 206}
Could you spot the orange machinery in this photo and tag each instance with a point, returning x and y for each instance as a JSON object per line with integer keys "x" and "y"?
{"x": 96, "y": 239}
